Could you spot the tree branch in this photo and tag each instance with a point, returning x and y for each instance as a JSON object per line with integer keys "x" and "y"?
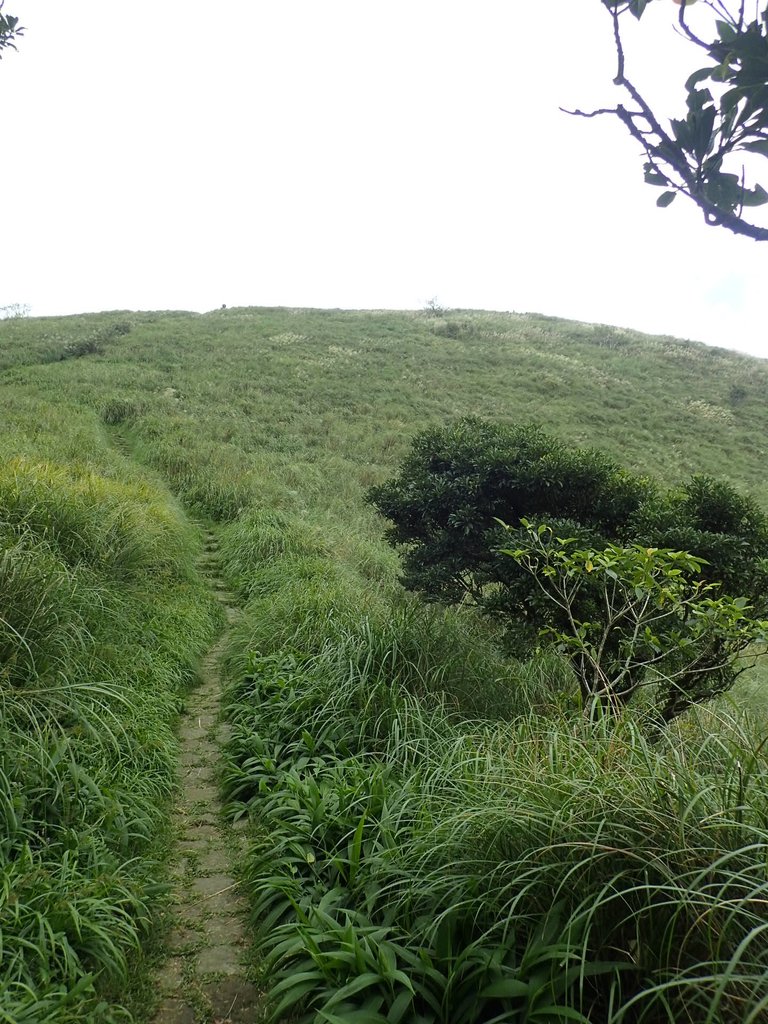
{"x": 692, "y": 165}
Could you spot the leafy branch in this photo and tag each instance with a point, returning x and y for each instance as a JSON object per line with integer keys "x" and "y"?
{"x": 689, "y": 158}
{"x": 10, "y": 30}
{"x": 629, "y": 617}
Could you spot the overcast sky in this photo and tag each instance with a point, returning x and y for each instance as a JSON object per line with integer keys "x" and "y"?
{"x": 355, "y": 154}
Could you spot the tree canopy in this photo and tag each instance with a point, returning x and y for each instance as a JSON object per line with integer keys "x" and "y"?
{"x": 700, "y": 154}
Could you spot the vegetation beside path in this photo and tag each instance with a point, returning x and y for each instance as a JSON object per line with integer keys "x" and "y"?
{"x": 102, "y": 620}
{"x": 438, "y": 835}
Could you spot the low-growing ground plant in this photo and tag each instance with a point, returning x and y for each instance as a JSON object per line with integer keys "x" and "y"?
{"x": 406, "y": 867}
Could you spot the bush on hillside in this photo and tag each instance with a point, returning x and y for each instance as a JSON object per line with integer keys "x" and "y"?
{"x": 460, "y": 482}
{"x": 117, "y": 410}
{"x": 93, "y": 344}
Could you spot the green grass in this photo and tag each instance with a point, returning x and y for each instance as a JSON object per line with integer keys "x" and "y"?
{"x": 408, "y": 867}
{"x": 320, "y": 404}
{"x": 438, "y": 836}
{"x": 101, "y": 621}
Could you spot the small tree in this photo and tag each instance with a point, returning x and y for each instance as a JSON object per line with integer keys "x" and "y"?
{"x": 653, "y": 622}
{"x": 460, "y": 482}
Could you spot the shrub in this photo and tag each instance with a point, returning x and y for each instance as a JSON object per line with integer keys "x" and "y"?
{"x": 93, "y": 344}
{"x": 118, "y": 410}
{"x": 460, "y": 482}
{"x": 634, "y": 617}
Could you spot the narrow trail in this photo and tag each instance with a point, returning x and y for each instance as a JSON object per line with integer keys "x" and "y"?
{"x": 119, "y": 441}
{"x": 204, "y": 981}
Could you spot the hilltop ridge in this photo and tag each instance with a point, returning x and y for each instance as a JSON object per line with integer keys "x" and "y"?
{"x": 657, "y": 403}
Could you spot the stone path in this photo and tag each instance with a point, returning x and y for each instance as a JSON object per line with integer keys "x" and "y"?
{"x": 204, "y": 979}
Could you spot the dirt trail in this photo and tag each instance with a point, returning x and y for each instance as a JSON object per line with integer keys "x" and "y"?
{"x": 203, "y": 980}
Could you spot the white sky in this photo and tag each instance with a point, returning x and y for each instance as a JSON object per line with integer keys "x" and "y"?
{"x": 356, "y": 154}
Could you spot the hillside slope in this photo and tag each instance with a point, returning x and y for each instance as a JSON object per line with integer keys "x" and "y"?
{"x": 272, "y": 424}
{"x": 311, "y": 388}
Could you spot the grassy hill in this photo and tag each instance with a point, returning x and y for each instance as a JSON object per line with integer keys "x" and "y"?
{"x": 319, "y": 388}
{"x": 273, "y": 423}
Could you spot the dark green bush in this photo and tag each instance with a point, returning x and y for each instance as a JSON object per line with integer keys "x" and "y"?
{"x": 460, "y": 481}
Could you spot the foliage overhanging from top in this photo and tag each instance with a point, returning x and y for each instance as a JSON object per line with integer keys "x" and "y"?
{"x": 726, "y": 115}
{"x": 10, "y": 30}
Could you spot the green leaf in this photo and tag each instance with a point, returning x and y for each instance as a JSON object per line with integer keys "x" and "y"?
{"x": 756, "y": 196}
{"x": 387, "y": 959}
{"x": 654, "y": 177}
{"x": 399, "y": 1007}
{"x": 550, "y": 1014}
{"x": 664, "y": 200}
{"x": 637, "y": 7}
{"x": 758, "y": 146}
{"x": 726, "y": 31}
{"x": 362, "y": 981}
{"x": 696, "y": 77}
{"x": 730, "y": 100}
{"x": 352, "y": 1017}
{"x": 683, "y": 132}
{"x": 506, "y": 988}
{"x": 296, "y": 991}
{"x": 704, "y": 123}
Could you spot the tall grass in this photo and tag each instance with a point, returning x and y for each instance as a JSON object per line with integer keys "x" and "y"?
{"x": 408, "y": 866}
{"x": 302, "y": 410}
{"x": 440, "y": 837}
{"x": 301, "y": 601}
{"x": 101, "y": 622}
